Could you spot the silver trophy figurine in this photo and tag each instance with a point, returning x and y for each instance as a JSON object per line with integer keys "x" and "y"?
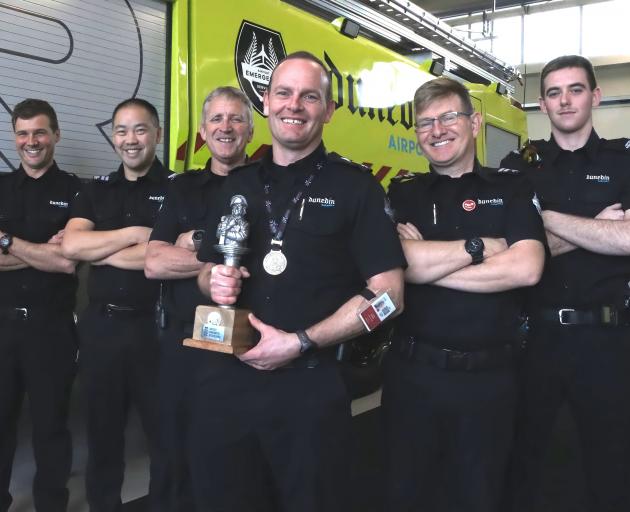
{"x": 226, "y": 328}
{"x": 232, "y": 232}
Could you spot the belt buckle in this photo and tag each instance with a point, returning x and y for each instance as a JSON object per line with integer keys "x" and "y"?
{"x": 455, "y": 359}
{"x": 561, "y": 312}
{"x": 609, "y": 315}
{"x": 24, "y": 312}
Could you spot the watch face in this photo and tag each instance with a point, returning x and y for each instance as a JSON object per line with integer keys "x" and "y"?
{"x": 5, "y": 241}
{"x": 475, "y": 244}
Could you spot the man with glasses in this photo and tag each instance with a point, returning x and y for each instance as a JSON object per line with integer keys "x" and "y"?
{"x": 472, "y": 237}
{"x": 579, "y": 349}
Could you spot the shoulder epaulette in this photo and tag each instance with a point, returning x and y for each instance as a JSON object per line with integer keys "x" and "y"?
{"x": 506, "y": 170}
{"x": 337, "y": 158}
{"x": 622, "y": 144}
{"x": 404, "y": 178}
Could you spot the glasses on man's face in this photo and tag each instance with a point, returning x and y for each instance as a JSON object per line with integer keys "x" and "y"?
{"x": 425, "y": 124}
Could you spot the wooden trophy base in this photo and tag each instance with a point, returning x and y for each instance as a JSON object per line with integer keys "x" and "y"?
{"x": 224, "y": 330}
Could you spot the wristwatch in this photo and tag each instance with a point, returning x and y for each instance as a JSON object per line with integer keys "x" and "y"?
{"x": 197, "y": 238}
{"x": 5, "y": 242}
{"x": 475, "y": 247}
{"x": 306, "y": 343}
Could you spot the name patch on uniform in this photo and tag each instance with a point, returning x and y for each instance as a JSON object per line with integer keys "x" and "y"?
{"x": 599, "y": 178}
{"x": 60, "y": 204}
{"x": 326, "y": 202}
{"x": 156, "y": 198}
{"x": 469, "y": 205}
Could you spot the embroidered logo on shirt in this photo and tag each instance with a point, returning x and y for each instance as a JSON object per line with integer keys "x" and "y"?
{"x": 469, "y": 205}
{"x": 326, "y": 202}
{"x": 495, "y": 201}
{"x": 599, "y": 178}
{"x": 156, "y": 198}
{"x": 60, "y": 204}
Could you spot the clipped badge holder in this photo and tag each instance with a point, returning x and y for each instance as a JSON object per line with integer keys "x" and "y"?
{"x": 377, "y": 310}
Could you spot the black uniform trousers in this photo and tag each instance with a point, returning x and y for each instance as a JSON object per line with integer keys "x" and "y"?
{"x": 118, "y": 367}
{"x": 293, "y": 421}
{"x": 448, "y": 436}
{"x": 38, "y": 357}
{"x": 589, "y": 367}
{"x": 175, "y": 383}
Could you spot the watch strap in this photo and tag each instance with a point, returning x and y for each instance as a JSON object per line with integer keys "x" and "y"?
{"x": 306, "y": 343}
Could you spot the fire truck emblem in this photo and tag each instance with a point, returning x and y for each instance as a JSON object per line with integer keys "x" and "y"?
{"x": 258, "y": 51}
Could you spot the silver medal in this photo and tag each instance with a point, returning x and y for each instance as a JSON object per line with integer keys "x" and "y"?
{"x": 275, "y": 262}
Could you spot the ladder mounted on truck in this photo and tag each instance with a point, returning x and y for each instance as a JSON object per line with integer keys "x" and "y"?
{"x": 409, "y": 29}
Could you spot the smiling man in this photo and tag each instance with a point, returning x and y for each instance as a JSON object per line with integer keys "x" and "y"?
{"x": 226, "y": 126}
{"x": 579, "y": 350}
{"x": 319, "y": 239}
{"x": 38, "y": 343}
{"x": 472, "y": 237}
{"x": 110, "y": 227}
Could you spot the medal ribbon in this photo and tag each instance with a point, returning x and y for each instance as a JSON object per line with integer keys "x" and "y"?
{"x": 277, "y": 228}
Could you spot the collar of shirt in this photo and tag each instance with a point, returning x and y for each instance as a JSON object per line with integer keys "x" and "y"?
{"x": 591, "y": 147}
{"x": 477, "y": 170}
{"x": 156, "y": 173}
{"x": 21, "y": 175}
{"x": 300, "y": 169}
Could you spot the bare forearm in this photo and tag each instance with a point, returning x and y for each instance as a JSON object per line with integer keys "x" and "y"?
{"x": 10, "y": 262}
{"x": 129, "y": 258}
{"x": 344, "y": 323}
{"x": 558, "y": 245}
{"x": 521, "y": 265}
{"x": 46, "y": 257}
{"x": 88, "y": 245}
{"x": 166, "y": 261}
{"x": 602, "y": 236}
{"x": 429, "y": 261}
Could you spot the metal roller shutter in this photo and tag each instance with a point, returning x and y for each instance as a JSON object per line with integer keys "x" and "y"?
{"x": 84, "y": 57}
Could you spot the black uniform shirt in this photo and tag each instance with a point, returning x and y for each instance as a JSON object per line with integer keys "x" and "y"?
{"x": 35, "y": 210}
{"x": 113, "y": 202}
{"x": 581, "y": 183}
{"x": 483, "y": 203}
{"x": 335, "y": 240}
{"x": 187, "y": 206}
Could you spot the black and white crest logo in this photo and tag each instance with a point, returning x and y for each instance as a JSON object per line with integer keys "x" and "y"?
{"x": 258, "y": 51}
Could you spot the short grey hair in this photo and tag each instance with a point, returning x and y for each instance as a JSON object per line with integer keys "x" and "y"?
{"x": 231, "y": 93}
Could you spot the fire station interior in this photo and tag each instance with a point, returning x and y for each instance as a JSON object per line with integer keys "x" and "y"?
{"x": 508, "y": 30}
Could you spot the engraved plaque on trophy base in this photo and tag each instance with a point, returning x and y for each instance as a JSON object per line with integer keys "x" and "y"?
{"x": 221, "y": 329}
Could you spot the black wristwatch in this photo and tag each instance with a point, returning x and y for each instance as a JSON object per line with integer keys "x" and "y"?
{"x": 197, "y": 238}
{"x": 5, "y": 242}
{"x": 306, "y": 343}
{"x": 475, "y": 247}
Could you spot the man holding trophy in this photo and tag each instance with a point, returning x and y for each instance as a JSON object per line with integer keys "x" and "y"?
{"x": 311, "y": 276}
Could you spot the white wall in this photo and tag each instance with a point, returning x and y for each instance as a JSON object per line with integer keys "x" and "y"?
{"x": 611, "y": 121}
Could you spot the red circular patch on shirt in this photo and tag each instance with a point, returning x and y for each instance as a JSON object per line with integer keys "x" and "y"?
{"x": 469, "y": 205}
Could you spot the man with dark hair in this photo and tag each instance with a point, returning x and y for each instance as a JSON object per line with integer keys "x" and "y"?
{"x": 38, "y": 345}
{"x": 110, "y": 227}
{"x": 472, "y": 238}
{"x": 579, "y": 349}
{"x": 320, "y": 243}
{"x": 226, "y": 126}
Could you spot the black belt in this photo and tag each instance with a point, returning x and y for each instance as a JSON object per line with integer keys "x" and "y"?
{"x": 123, "y": 310}
{"x": 312, "y": 360}
{"x": 446, "y": 359}
{"x": 600, "y": 315}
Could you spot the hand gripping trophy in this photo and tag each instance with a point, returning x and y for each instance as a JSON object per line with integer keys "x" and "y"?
{"x": 224, "y": 328}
